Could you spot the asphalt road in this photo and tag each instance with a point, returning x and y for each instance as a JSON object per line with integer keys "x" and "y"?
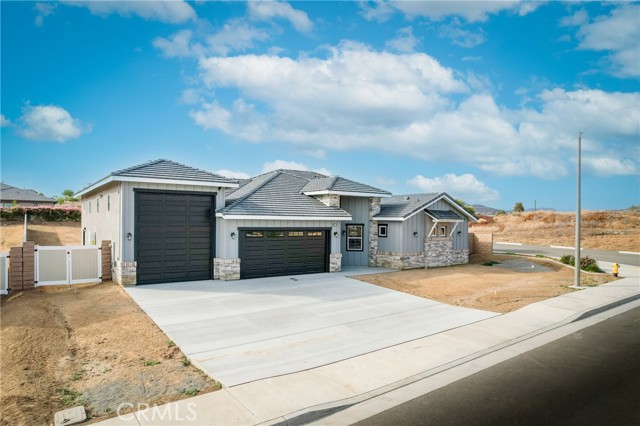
{"x": 591, "y": 377}
{"x": 605, "y": 255}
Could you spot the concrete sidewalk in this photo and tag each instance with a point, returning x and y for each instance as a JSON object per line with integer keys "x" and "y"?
{"x": 308, "y": 395}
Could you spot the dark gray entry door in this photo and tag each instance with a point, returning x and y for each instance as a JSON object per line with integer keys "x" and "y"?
{"x": 276, "y": 252}
{"x": 173, "y": 236}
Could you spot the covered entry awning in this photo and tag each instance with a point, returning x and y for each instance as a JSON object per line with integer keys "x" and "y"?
{"x": 446, "y": 216}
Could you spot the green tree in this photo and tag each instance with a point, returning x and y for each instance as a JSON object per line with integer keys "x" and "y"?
{"x": 518, "y": 207}
{"x": 67, "y": 195}
{"x": 469, "y": 208}
{"x": 500, "y": 212}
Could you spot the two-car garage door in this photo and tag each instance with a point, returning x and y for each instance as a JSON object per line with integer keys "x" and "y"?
{"x": 276, "y": 252}
{"x": 174, "y": 236}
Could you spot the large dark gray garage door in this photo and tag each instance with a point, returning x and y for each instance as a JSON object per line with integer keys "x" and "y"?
{"x": 274, "y": 252}
{"x": 173, "y": 237}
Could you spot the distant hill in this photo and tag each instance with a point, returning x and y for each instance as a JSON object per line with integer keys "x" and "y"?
{"x": 546, "y": 209}
{"x": 481, "y": 209}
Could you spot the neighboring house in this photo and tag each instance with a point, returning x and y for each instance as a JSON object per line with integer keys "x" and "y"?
{"x": 23, "y": 197}
{"x": 170, "y": 222}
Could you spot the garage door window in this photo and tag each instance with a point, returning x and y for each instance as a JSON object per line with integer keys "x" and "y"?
{"x": 354, "y": 237}
{"x": 254, "y": 234}
{"x": 314, "y": 234}
{"x": 296, "y": 234}
{"x": 275, "y": 234}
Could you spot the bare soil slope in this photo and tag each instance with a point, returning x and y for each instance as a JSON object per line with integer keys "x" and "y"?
{"x": 604, "y": 230}
{"x": 90, "y": 346}
{"x": 42, "y": 233}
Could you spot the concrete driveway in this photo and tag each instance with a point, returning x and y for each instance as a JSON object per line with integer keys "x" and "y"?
{"x": 243, "y": 331}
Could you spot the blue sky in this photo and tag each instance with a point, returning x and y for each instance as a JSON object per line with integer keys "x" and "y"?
{"x": 483, "y": 100}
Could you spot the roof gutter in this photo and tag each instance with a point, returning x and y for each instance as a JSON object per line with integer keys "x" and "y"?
{"x": 347, "y": 193}
{"x": 273, "y": 217}
{"x": 112, "y": 178}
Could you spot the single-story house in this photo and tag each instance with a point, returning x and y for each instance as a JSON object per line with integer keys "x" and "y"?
{"x": 23, "y": 197}
{"x": 171, "y": 222}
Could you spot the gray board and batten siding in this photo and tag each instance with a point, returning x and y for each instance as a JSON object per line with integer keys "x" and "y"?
{"x": 460, "y": 241}
{"x": 358, "y": 207}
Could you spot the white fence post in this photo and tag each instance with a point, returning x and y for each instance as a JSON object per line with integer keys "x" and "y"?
{"x": 4, "y": 273}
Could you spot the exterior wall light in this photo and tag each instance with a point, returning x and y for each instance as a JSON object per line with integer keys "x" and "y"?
{"x": 335, "y": 234}
{"x": 415, "y": 233}
{"x": 233, "y": 235}
{"x": 129, "y": 236}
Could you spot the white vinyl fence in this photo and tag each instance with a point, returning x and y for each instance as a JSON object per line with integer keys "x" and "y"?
{"x": 4, "y": 273}
{"x": 67, "y": 265}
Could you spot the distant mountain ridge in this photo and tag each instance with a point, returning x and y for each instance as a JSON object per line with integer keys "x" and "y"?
{"x": 486, "y": 210}
{"x": 490, "y": 211}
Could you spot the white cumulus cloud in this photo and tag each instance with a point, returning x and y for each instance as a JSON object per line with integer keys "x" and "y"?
{"x": 404, "y": 42}
{"x": 291, "y": 165}
{"x": 50, "y": 123}
{"x": 465, "y": 186}
{"x": 4, "y": 121}
{"x": 356, "y": 98}
{"x": 178, "y": 45}
{"x": 234, "y": 174}
{"x": 471, "y": 11}
{"x": 282, "y": 164}
{"x": 43, "y": 10}
{"x": 268, "y": 10}
{"x": 618, "y": 33}
{"x": 173, "y": 12}
{"x": 607, "y": 166}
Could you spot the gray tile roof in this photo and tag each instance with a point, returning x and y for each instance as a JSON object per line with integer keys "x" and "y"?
{"x": 401, "y": 206}
{"x": 340, "y": 184}
{"x": 444, "y": 215}
{"x": 167, "y": 169}
{"x": 278, "y": 193}
{"x": 9, "y": 193}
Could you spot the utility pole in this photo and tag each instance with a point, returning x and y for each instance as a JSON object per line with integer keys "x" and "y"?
{"x": 578, "y": 214}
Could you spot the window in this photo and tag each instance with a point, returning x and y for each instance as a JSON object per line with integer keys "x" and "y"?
{"x": 295, "y": 234}
{"x": 314, "y": 234}
{"x": 382, "y": 230}
{"x": 354, "y": 237}
{"x": 275, "y": 234}
{"x": 97, "y": 205}
{"x": 254, "y": 234}
{"x": 108, "y": 203}
{"x": 443, "y": 231}
{"x": 89, "y": 206}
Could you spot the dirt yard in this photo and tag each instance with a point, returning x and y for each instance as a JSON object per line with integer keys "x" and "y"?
{"x": 42, "y": 233}
{"x": 92, "y": 346}
{"x": 604, "y": 230}
{"x": 503, "y": 287}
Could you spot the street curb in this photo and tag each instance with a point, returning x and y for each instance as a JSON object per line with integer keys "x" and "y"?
{"x": 317, "y": 412}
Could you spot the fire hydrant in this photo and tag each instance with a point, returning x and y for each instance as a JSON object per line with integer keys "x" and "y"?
{"x": 615, "y": 269}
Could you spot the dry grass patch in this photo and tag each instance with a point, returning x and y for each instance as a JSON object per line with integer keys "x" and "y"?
{"x": 605, "y": 230}
{"x": 42, "y": 233}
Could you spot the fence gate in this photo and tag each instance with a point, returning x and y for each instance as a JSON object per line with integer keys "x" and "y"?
{"x": 68, "y": 265}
